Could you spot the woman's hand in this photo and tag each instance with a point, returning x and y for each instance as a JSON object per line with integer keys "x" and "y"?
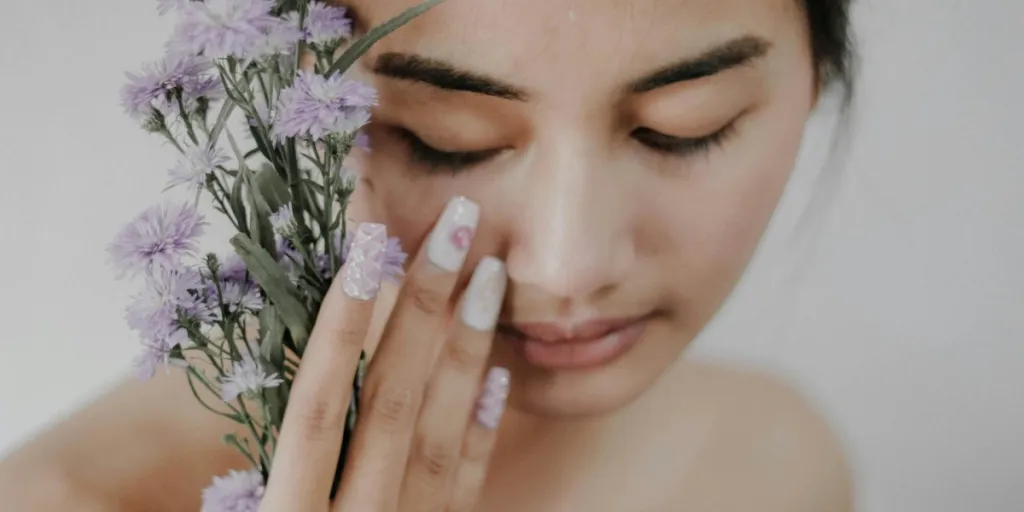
{"x": 419, "y": 443}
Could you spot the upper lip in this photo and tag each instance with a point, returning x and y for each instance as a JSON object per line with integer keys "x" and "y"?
{"x": 561, "y": 332}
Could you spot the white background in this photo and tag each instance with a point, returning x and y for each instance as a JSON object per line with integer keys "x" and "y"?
{"x": 904, "y": 321}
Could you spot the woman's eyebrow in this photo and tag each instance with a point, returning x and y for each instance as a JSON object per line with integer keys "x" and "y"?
{"x": 722, "y": 57}
{"x": 443, "y": 75}
{"x": 447, "y": 76}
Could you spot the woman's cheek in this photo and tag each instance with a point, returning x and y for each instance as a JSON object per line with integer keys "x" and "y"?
{"x": 389, "y": 192}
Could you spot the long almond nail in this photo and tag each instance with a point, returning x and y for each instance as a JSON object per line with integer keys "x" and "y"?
{"x": 364, "y": 269}
{"x": 482, "y": 302}
{"x": 491, "y": 405}
{"x": 450, "y": 240}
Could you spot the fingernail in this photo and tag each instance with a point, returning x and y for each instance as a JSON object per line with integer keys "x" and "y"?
{"x": 364, "y": 267}
{"x": 482, "y": 302}
{"x": 491, "y": 405}
{"x": 450, "y": 240}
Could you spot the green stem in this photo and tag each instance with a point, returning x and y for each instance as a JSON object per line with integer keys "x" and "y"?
{"x": 192, "y": 373}
{"x": 187, "y": 120}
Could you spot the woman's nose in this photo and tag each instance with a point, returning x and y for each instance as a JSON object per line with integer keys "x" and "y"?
{"x": 573, "y": 238}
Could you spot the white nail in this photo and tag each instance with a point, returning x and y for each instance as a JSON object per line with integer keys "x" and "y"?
{"x": 481, "y": 304}
{"x": 449, "y": 242}
{"x": 491, "y": 405}
{"x": 362, "y": 273}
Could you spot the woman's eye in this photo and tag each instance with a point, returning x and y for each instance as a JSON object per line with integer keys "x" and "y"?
{"x": 681, "y": 146}
{"x": 437, "y": 160}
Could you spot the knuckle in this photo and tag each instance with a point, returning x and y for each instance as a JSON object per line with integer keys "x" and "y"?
{"x": 320, "y": 418}
{"x": 426, "y": 298}
{"x": 393, "y": 408}
{"x": 437, "y": 458}
{"x": 350, "y": 334}
{"x": 465, "y": 357}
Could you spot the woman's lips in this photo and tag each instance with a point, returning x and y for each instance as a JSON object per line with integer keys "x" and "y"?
{"x": 555, "y": 346}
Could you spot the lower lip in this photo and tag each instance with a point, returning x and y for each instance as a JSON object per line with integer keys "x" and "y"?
{"x": 580, "y": 355}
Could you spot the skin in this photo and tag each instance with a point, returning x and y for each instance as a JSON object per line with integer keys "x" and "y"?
{"x": 591, "y": 223}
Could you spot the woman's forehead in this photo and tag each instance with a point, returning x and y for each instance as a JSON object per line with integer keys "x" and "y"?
{"x": 526, "y": 40}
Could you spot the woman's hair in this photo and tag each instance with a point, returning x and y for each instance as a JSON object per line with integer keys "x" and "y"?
{"x": 832, "y": 42}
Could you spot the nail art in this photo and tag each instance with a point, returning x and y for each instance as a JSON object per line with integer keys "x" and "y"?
{"x": 451, "y": 238}
{"x": 491, "y": 405}
{"x": 364, "y": 269}
{"x": 482, "y": 302}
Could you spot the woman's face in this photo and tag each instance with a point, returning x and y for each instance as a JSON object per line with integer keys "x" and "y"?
{"x": 627, "y": 156}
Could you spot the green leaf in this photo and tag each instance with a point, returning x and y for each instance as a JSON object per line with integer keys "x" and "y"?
{"x": 272, "y": 188}
{"x": 361, "y": 46}
{"x": 272, "y": 337}
{"x": 279, "y": 289}
{"x": 260, "y": 226}
{"x": 222, "y": 118}
{"x": 236, "y": 201}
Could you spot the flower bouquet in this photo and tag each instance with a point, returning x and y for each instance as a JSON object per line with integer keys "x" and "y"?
{"x": 253, "y": 95}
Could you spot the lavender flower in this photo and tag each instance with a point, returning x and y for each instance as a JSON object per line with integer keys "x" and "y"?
{"x": 279, "y": 38}
{"x": 157, "y": 352}
{"x": 238, "y": 297}
{"x": 222, "y": 28}
{"x": 246, "y": 376}
{"x": 157, "y": 239}
{"x": 232, "y": 269}
{"x": 154, "y": 312}
{"x": 283, "y": 221}
{"x": 315, "y": 106}
{"x": 325, "y": 25}
{"x": 238, "y": 491}
{"x": 161, "y": 83}
{"x": 193, "y": 166}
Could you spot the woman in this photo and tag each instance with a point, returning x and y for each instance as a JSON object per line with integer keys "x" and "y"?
{"x": 608, "y": 167}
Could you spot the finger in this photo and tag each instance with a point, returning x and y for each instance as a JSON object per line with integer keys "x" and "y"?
{"x": 400, "y": 368}
{"x": 310, "y": 439}
{"x": 478, "y": 444}
{"x": 449, "y": 397}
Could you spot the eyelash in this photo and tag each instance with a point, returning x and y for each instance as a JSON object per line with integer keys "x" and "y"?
{"x": 422, "y": 153}
{"x": 679, "y": 146}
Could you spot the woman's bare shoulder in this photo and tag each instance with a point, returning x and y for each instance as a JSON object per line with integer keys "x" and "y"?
{"x": 142, "y": 446}
{"x": 771, "y": 449}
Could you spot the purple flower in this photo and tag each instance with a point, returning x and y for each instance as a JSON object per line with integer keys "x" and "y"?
{"x": 279, "y": 38}
{"x": 157, "y": 352}
{"x": 160, "y": 83}
{"x": 315, "y": 106}
{"x": 232, "y": 269}
{"x": 154, "y": 313}
{"x": 246, "y": 377}
{"x": 238, "y": 491}
{"x": 238, "y": 296}
{"x": 222, "y": 28}
{"x": 283, "y": 221}
{"x": 325, "y": 25}
{"x": 157, "y": 239}
{"x": 193, "y": 166}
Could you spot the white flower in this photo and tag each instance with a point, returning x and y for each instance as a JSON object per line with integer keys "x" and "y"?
{"x": 283, "y": 221}
{"x": 238, "y": 491}
{"x": 195, "y": 165}
{"x": 246, "y": 377}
